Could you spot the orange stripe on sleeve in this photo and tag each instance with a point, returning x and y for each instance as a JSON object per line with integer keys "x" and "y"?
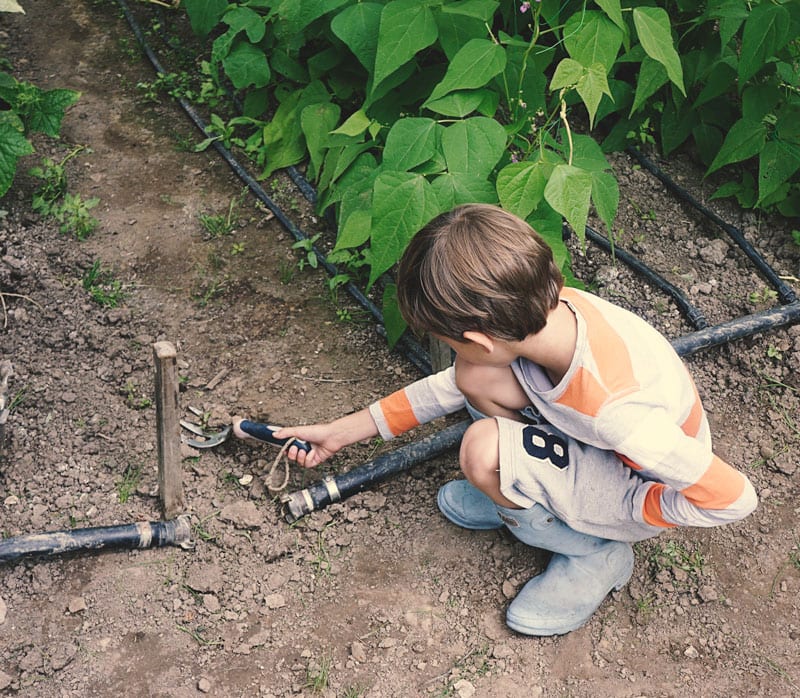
{"x": 691, "y": 425}
{"x": 398, "y": 413}
{"x": 651, "y": 510}
{"x": 718, "y": 488}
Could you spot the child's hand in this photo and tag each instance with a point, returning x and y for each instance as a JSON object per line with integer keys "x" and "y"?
{"x": 321, "y": 437}
{"x": 327, "y": 439}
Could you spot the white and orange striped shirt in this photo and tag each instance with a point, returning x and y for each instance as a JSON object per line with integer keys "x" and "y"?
{"x": 626, "y": 391}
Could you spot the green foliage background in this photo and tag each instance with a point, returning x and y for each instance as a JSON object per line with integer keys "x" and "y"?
{"x": 405, "y": 108}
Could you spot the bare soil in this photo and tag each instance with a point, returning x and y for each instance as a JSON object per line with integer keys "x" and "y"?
{"x": 376, "y": 596}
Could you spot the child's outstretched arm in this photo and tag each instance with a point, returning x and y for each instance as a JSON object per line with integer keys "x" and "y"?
{"x": 327, "y": 439}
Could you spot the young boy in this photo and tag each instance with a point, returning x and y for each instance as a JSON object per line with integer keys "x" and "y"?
{"x": 588, "y": 434}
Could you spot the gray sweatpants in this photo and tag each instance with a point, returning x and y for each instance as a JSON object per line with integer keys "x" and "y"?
{"x": 588, "y": 488}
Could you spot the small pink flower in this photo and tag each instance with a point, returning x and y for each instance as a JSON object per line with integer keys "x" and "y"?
{"x": 524, "y": 7}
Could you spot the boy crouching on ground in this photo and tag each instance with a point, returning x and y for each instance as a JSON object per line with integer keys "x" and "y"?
{"x": 588, "y": 435}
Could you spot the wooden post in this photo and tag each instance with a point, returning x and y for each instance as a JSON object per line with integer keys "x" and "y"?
{"x": 441, "y": 356}
{"x": 170, "y": 480}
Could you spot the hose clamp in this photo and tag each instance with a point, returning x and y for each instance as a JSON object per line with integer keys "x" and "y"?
{"x": 333, "y": 489}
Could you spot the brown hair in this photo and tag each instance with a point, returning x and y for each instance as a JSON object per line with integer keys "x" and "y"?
{"x": 478, "y": 268}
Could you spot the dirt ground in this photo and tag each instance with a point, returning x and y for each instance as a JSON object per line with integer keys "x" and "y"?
{"x": 376, "y": 596}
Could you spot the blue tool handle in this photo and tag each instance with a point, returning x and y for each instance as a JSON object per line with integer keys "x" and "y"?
{"x": 266, "y": 433}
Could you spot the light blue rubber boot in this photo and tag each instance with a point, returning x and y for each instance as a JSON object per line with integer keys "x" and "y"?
{"x": 581, "y": 573}
{"x": 468, "y": 507}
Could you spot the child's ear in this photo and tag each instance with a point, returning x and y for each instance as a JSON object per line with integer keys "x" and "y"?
{"x": 481, "y": 339}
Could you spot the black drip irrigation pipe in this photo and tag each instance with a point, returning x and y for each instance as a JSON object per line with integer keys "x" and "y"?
{"x": 785, "y": 292}
{"x": 154, "y": 534}
{"x": 335, "y": 488}
{"x": 692, "y": 314}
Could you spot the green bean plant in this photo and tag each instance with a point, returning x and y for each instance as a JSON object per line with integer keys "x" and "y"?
{"x": 404, "y": 108}
{"x": 27, "y": 109}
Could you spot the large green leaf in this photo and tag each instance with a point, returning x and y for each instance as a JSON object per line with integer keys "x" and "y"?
{"x": 569, "y": 192}
{"x": 520, "y": 186}
{"x": 204, "y": 15}
{"x": 13, "y": 146}
{"x": 410, "y": 142}
{"x": 49, "y": 112}
{"x": 461, "y": 103}
{"x": 456, "y": 29}
{"x": 298, "y": 14}
{"x": 587, "y": 154}
{"x": 283, "y": 142}
{"x": 550, "y": 225}
{"x": 652, "y": 77}
{"x": 482, "y": 10}
{"x": 777, "y": 162}
{"x": 592, "y": 85}
{"x": 567, "y": 74}
{"x": 744, "y": 140}
{"x": 605, "y": 195}
{"x": 591, "y": 37}
{"x": 613, "y": 10}
{"x": 455, "y": 189}
{"x": 402, "y": 203}
{"x": 356, "y": 228}
{"x": 730, "y": 14}
{"x": 316, "y": 120}
{"x": 719, "y": 80}
{"x": 406, "y": 27}
{"x": 247, "y": 65}
{"x": 11, "y": 6}
{"x": 392, "y": 319}
{"x": 476, "y": 63}
{"x": 655, "y": 34}
{"x": 355, "y": 124}
{"x": 474, "y": 146}
{"x": 355, "y": 180}
{"x": 766, "y": 30}
{"x": 357, "y": 26}
{"x": 241, "y": 18}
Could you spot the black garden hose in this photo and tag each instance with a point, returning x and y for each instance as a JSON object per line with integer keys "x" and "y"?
{"x": 144, "y": 534}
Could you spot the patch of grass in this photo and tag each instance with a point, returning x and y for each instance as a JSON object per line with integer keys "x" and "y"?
{"x": 285, "y": 273}
{"x": 318, "y": 673}
{"x": 130, "y": 481}
{"x": 218, "y": 225}
{"x": 104, "y": 289}
{"x": 198, "y": 635}
{"x": 673, "y": 555}
{"x": 134, "y": 398}
{"x": 201, "y": 531}
{"x": 209, "y": 289}
{"x": 19, "y": 397}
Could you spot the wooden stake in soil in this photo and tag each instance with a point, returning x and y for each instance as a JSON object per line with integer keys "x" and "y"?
{"x": 441, "y": 356}
{"x": 170, "y": 480}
